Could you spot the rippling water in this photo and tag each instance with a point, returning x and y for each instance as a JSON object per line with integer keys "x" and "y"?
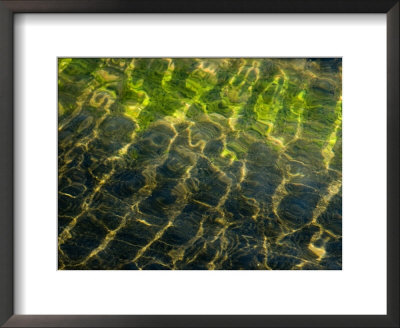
{"x": 185, "y": 163}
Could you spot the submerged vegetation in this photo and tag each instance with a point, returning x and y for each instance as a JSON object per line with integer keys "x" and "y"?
{"x": 199, "y": 163}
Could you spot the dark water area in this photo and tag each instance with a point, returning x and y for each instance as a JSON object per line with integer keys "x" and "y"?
{"x": 199, "y": 164}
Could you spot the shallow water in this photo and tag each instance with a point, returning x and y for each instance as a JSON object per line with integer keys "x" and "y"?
{"x": 199, "y": 164}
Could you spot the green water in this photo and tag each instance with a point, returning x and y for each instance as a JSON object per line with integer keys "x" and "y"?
{"x": 187, "y": 163}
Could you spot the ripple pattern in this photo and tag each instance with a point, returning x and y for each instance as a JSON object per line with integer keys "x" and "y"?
{"x": 199, "y": 164}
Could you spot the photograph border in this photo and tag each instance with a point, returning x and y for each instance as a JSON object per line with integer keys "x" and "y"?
{"x": 10, "y": 7}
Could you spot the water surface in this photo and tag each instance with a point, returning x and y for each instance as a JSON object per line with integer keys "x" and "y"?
{"x": 199, "y": 163}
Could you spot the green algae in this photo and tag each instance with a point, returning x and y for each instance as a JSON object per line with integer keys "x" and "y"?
{"x": 194, "y": 159}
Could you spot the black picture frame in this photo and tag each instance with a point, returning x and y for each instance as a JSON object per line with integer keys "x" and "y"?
{"x": 10, "y": 7}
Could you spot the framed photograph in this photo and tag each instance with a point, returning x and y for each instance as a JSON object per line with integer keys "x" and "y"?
{"x": 217, "y": 164}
